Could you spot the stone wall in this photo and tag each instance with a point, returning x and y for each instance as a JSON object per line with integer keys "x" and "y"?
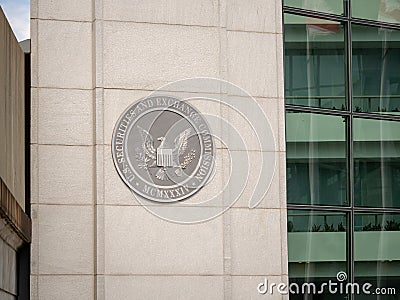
{"x": 90, "y": 60}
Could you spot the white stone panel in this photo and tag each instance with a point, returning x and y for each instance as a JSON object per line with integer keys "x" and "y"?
{"x": 252, "y": 62}
{"x": 247, "y": 15}
{"x": 76, "y": 10}
{"x": 34, "y": 47}
{"x": 281, "y": 124}
{"x": 137, "y": 242}
{"x": 282, "y": 179}
{"x": 272, "y": 197}
{"x": 34, "y": 287}
{"x": 284, "y": 249}
{"x": 34, "y": 174}
{"x": 164, "y": 287}
{"x": 35, "y": 240}
{"x": 147, "y": 56}
{"x": 245, "y": 287}
{"x": 65, "y": 54}
{"x": 98, "y": 111}
{"x": 34, "y": 8}
{"x": 279, "y": 21}
{"x": 66, "y": 238}
{"x": 66, "y": 116}
{"x": 34, "y": 115}
{"x": 256, "y": 241}
{"x": 257, "y": 124}
{"x": 65, "y": 174}
{"x": 69, "y": 287}
{"x": 194, "y": 12}
{"x": 280, "y": 67}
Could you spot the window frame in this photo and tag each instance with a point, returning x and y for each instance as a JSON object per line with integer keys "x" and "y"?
{"x": 349, "y": 114}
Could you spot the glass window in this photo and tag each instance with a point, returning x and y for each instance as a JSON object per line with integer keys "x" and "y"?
{"x": 376, "y": 65}
{"x": 316, "y": 159}
{"x": 318, "y": 141}
{"x": 376, "y": 250}
{"x": 314, "y": 63}
{"x": 377, "y": 10}
{"x": 326, "y": 6}
{"x": 317, "y": 248}
{"x": 376, "y": 163}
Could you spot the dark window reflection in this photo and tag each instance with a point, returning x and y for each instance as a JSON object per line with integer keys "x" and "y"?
{"x": 316, "y": 159}
{"x": 376, "y": 10}
{"x": 376, "y": 252}
{"x": 314, "y": 62}
{"x": 317, "y": 145}
{"x": 326, "y": 6}
{"x": 317, "y": 249}
{"x": 376, "y": 65}
{"x": 376, "y": 163}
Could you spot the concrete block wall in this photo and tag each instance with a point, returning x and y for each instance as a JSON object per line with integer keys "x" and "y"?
{"x": 90, "y": 60}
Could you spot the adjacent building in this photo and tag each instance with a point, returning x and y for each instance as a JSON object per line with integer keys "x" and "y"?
{"x": 15, "y": 224}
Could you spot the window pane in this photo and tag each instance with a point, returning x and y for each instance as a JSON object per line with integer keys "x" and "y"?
{"x": 376, "y": 65}
{"x": 377, "y": 10}
{"x": 376, "y": 251}
{"x": 316, "y": 159}
{"x": 317, "y": 248}
{"x": 326, "y": 6}
{"x": 376, "y": 163}
{"x": 314, "y": 62}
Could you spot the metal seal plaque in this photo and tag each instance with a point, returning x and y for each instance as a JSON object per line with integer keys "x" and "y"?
{"x": 163, "y": 149}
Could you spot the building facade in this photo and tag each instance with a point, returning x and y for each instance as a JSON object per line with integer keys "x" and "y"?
{"x": 324, "y": 74}
{"x": 342, "y": 125}
{"x": 90, "y": 61}
{"x": 15, "y": 224}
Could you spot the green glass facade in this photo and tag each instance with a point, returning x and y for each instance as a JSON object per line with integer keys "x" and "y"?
{"x": 342, "y": 90}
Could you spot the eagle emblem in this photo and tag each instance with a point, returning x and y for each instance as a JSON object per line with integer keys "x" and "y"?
{"x": 163, "y": 149}
{"x": 164, "y": 157}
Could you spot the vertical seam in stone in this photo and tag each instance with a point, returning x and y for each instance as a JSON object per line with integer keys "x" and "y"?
{"x": 94, "y": 160}
{"x": 283, "y": 213}
{"x": 227, "y": 255}
{"x": 35, "y": 71}
{"x": 37, "y": 57}
{"x": 226, "y": 217}
{"x": 277, "y": 90}
{"x": 38, "y": 249}
{"x": 277, "y": 67}
{"x": 98, "y": 137}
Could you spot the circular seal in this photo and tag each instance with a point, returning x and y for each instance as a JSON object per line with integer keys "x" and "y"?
{"x": 163, "y": 149}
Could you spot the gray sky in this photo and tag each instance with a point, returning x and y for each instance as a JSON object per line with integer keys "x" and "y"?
{"x": 18, "y": 13}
